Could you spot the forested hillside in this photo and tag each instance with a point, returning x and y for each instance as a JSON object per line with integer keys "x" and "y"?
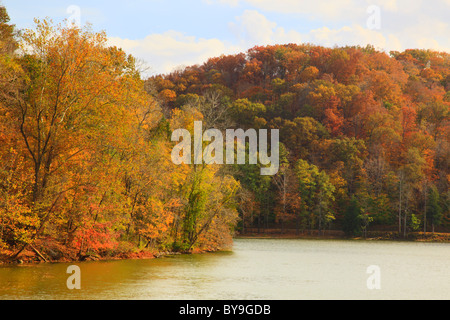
{"x": 85, "y": 144}
{"x": 365, "y": 134}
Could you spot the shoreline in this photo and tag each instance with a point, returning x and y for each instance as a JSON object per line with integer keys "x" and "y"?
{"x": 31, "y": 257}
{"x": 29, "y": 260}
{"x": 336, "y": 235}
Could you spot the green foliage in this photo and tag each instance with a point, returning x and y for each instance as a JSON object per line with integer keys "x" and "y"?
{"x": 414, "y": 223}
{"x": 351, "y": 223}
{"x": 244, "y": 111}
{"x": 196, "y": 203}
{"x": 316, "y": 192}
{"x": 434, "y": 209}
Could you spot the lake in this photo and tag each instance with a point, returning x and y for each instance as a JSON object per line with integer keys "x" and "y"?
{"x": 255, "y": 269}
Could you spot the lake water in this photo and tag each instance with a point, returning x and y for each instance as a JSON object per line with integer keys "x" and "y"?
{"x": 255, "y": 269}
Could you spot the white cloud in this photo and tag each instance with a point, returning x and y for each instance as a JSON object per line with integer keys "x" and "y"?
{"x": 404, "y": 24}
{"x": 170, "y": 50}
{"x": 253, "y": 28}
{"x": 352, "y": 36}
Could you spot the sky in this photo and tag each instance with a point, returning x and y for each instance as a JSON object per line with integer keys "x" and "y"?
{"x": 170, "y": 34}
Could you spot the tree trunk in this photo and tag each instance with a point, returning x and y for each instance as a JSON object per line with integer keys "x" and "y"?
{"x": 400, "y": 208}
{"x": 405, "y": 218}
{"x": 425, "y": 209}
{"x": 404, "y": 224}
{"x": 243, "y": 221}
{"x": 38, "y": 253}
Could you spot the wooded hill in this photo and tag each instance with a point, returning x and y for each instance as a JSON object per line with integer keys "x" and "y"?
{"x": 365, "y": 133}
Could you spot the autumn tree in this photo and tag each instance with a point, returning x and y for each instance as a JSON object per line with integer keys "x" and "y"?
{"x": 434, "y": 209}
{"x": 73, "y": 104}
{"x": 17, "y": 222}
{"x": 284, "y": 183}
{"x": 316, "y": 194}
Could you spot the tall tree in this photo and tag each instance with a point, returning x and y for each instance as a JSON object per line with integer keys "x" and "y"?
{"x": 316, "y": 194}
{"x": 434, "y": 209}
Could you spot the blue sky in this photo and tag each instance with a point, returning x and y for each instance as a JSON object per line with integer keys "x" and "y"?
{"x": 173, "y": 33}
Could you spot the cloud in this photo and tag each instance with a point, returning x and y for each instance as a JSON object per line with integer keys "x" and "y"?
{"x": 404, "y": 25}
{"x": 172, "y": 49}
{"x": 353, "y": 35}
{"x": 253, "y": 28}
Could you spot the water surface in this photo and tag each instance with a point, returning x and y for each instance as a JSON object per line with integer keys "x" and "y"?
{"x": 256, "y": 269}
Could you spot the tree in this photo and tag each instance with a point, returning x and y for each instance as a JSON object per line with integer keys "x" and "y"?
{"x": 283, "y": 182}
{"x": 352, "y": 219}
{"x": 352, "y": 153}
{"x": 65, "y": 95}
{"x": 8, "y": 33}
{"x": 434, "y": 209}
{"x": 246, "y": 204}
{"x": 245, "y": 111}
{"x": 436, "y": 117}
{"x": 207, "y": 202}
{"x": 316, "y": 192}
{"x": 72, "y": 119}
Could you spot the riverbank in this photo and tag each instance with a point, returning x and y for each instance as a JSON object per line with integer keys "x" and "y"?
{"x": 29, "y": 256}
{"x": 56, "y": 253}
{"x": 339, "y": 235}
{"x": 53, "y": 252}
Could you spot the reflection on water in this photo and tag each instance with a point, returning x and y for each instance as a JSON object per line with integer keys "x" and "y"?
{"x": 254, "y": 269}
